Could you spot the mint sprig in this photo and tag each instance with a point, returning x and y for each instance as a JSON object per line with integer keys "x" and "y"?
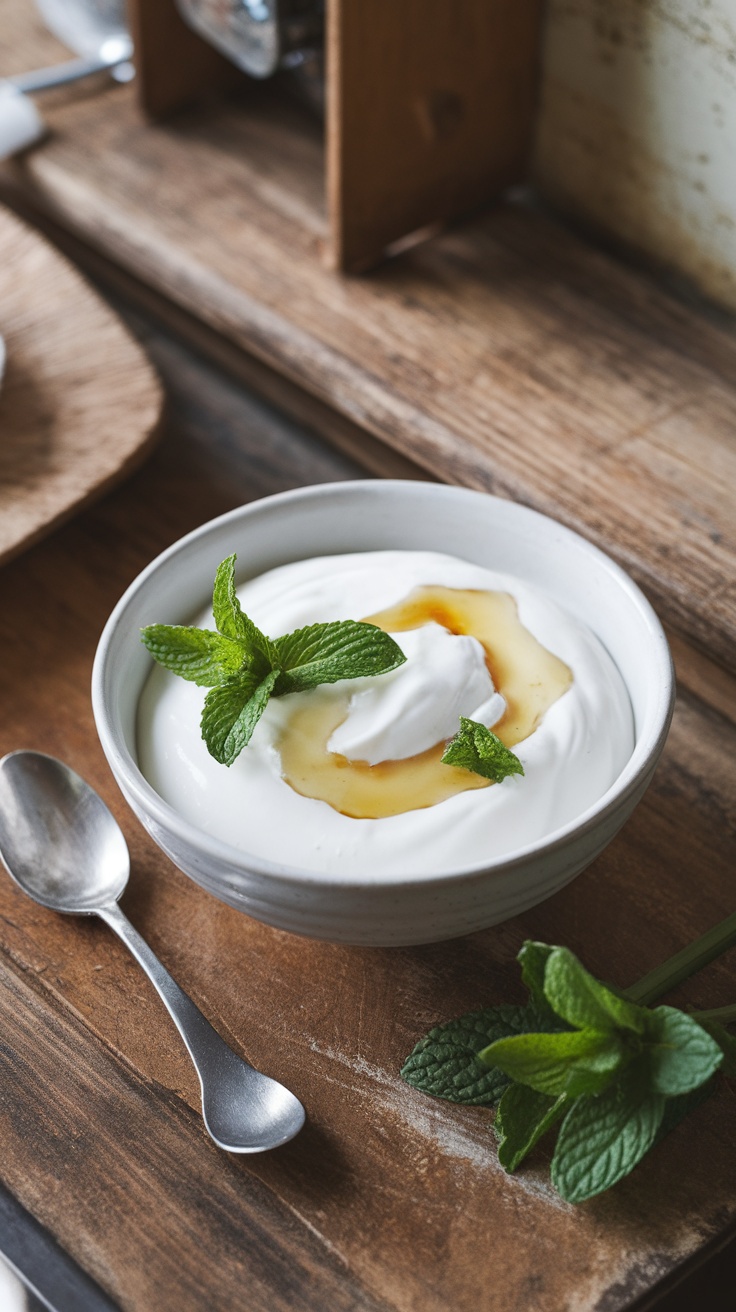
{"x": 243, "y": 668}
{"x": 475, "y": 748}
{"x": 614, "y": 1074}
{"x": 446, "y": 1062}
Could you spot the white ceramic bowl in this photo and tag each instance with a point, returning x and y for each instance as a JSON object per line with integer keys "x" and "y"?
{"x": 369, "y": 516}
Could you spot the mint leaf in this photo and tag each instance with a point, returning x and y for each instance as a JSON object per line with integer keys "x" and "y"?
{"x": 726, "y": 1042}
{"x": 523, "y": 1117}
{"x": 225, "y": 604}
{"x": 584, "y": 1002}
{"x": 574, "y": 1062}
{"x": 445, "y": 1062}
{"x": 232, "y": 711}
{"x": 326, "y": 653}
{"x": 231, "y": 620}
{"x": 533, "y": 958}
{"x": 475, "y": 748}
{"x": 603, "y": 1138}
{"x": 202, "y": 657}
{"x": 681, "y": 1056}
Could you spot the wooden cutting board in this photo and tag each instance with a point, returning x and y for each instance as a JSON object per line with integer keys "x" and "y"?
{"x": 79, "y": 402}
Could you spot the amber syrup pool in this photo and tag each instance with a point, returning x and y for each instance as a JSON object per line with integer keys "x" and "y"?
{"x": 528, "y": 676}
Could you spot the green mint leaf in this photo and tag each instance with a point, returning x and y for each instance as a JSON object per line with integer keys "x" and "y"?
{"x": 726, "y": 1042}
{"x": 523, "y": 1117}
{"x": 445, "y": 1062}
{"x": 533, "y": 958}
{"x": 231, "y": 620}
{"x": 681, "y": 1055}
{"x": 584, "y": 1002}
{"x": 225, "y": 604}
{"x": 326, "y": 653}
{"x": 603, "y": 1138}
{"x": 574, "y": 1062}
{"x": 202, "y": 657}
{"x": 475, "y": 748}
{"x": 232, "y": 711}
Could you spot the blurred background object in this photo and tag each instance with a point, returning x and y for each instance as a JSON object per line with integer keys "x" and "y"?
{"x": 620, "y": 113}
{"x": 94, "y": 29}
{"x": 20, "y": 121}
{"x": 429, "y": 113}
{"x": 260, "y": 36}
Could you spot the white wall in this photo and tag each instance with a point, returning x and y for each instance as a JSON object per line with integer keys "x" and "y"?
{"x": 638, "y": 127}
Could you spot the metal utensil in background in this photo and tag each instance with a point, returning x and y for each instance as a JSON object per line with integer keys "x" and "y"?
{"x": 96, "y": 30}
{"x": 113, "y": 57}
{"x": 260, "y": 36}
{"x": 64, "y": 848}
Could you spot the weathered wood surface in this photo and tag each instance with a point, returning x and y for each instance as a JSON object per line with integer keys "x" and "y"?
{"x": 505, "y": 355}
{"x": 388, "y": 1202}
{"x": 79, "y": 402}
{"x": 373, "y": 455}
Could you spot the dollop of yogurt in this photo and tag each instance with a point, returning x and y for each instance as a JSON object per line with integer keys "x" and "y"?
{"x": 570, "y": 760}
{"x": 409, "y": 710}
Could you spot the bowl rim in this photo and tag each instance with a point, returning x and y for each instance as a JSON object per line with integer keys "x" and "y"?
{"x": 147, "y": 801}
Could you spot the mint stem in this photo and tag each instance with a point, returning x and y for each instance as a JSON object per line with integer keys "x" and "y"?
{"x": 722, "y": 1015}
{"x": 684, "y": 964}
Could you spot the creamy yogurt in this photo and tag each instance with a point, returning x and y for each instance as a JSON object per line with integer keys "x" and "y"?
{"x": 409, "y": 710}
{"x": 570, "y": 760}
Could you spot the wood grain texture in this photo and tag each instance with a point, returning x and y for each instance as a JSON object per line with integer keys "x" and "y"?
{"x": 373, "y": 455}
{"x": 390, "y": 1202}
{"x": 79, "y": 402}
{"x": 134, "y": 1164}
{"x": 173, "y": 65}
{"x": 429, "y": 114}
{"x": 505, "y": 355}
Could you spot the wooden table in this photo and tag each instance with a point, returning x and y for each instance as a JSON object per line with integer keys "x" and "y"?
{"x": 388, "y": 1201}
{"x": 508, "y": 355}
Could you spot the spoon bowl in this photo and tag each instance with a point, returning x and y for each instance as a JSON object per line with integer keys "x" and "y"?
{"x": 64, "y": 848}
{"x": 59, "y": 842}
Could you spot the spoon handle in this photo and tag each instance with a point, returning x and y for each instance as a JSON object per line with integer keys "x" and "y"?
{"x": 59, "y": 75}
{"x": 238, "y": 1102}
{"x": 202, "y": 1041}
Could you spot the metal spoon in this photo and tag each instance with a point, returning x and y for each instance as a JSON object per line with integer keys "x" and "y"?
{"x": 96, "y": 30}
{"x": 62, "y": 846}
{"x": 102, "y": 42}
{"x": 113, "y": 57}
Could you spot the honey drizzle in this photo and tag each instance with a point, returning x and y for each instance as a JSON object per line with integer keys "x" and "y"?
{"x": 528, "y": 676}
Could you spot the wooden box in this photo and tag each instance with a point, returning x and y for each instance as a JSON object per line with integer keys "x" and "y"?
{"x": 429, "y": 108}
